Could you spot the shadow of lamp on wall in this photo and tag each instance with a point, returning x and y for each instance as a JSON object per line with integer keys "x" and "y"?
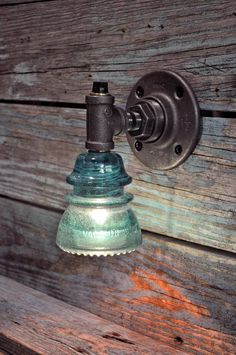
{"x": 161, "y": 121}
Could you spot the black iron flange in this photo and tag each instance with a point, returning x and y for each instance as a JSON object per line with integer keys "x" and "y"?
{"x": 170, "y": 120}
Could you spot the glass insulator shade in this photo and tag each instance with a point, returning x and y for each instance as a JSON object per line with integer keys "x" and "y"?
{"x": 98, "y": 220}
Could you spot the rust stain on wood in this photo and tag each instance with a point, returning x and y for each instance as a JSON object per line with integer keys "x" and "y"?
{"x": 32, "y": 322}
{"x": 176, "y": 302}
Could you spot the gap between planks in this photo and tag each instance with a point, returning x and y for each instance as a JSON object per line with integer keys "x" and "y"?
{"x": 17, "y": 3}
{"x": 82, "y": 105}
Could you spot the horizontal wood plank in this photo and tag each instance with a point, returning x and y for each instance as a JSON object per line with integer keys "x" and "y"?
{"x": 172, "y": 291}
{"x": 54, "y": 50}
{"x": 34, "y": 323}
{"x": 194, "y": 202}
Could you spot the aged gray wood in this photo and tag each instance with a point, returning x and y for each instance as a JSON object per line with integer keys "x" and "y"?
{"x": 169, "y": 290}
{"x": 53, "y": 50}
{"x": 34, "y": 323}
{"x": 194, "y": 202}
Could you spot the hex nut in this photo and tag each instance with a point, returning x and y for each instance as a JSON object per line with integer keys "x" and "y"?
{"x": 145, "y": 110}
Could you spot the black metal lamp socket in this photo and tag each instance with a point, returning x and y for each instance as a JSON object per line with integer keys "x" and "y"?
{"x": 99, "y": 118}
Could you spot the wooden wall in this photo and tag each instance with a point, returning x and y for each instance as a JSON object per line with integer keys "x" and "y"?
{"x": 180, "y": 286}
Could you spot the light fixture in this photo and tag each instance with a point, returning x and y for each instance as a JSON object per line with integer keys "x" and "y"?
{"x": 161, "y": 121}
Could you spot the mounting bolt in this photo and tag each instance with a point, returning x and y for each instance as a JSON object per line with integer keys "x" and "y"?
{"x": 178, "y": 149}
{"x": 138, "y": 146}
{"x": 139, "y": 91}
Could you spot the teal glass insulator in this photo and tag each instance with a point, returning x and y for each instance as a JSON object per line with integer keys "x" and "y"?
{"x": 99, "y": 220}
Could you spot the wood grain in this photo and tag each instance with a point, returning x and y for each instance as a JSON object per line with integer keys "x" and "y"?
{"x": 3, "y": 352}
{"x": 34, "y": 323}
{"x": 194, "y": 202}
{"x": 168, "y": 290}
{"x": 54, "y": 50}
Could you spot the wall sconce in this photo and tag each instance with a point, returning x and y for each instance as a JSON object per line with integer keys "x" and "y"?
{"x": 161, "y": 121}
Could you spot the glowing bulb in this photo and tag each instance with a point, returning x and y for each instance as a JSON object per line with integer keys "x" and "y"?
{"x": 99, "y": 215}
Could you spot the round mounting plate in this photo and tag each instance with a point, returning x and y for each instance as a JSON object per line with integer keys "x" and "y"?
{"x": 182, "y": 120}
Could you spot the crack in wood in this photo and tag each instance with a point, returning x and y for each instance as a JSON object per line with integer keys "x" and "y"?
{"x": 117, "y": 337}
{"x": 76, "y": 349}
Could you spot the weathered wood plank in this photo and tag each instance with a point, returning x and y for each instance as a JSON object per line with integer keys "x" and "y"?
{"x": 168, "y": 290}
{"x": 53, "y": 50}
{"x": 194, "y": 202}
{"x": 34, "y": 323}
{"x": 3, "y": 352}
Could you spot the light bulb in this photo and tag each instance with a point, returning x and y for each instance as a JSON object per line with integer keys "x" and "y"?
{"x": 98, "y": 220}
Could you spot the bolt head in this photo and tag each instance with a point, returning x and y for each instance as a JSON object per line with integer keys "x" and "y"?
{"x": 138, "y": 146}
